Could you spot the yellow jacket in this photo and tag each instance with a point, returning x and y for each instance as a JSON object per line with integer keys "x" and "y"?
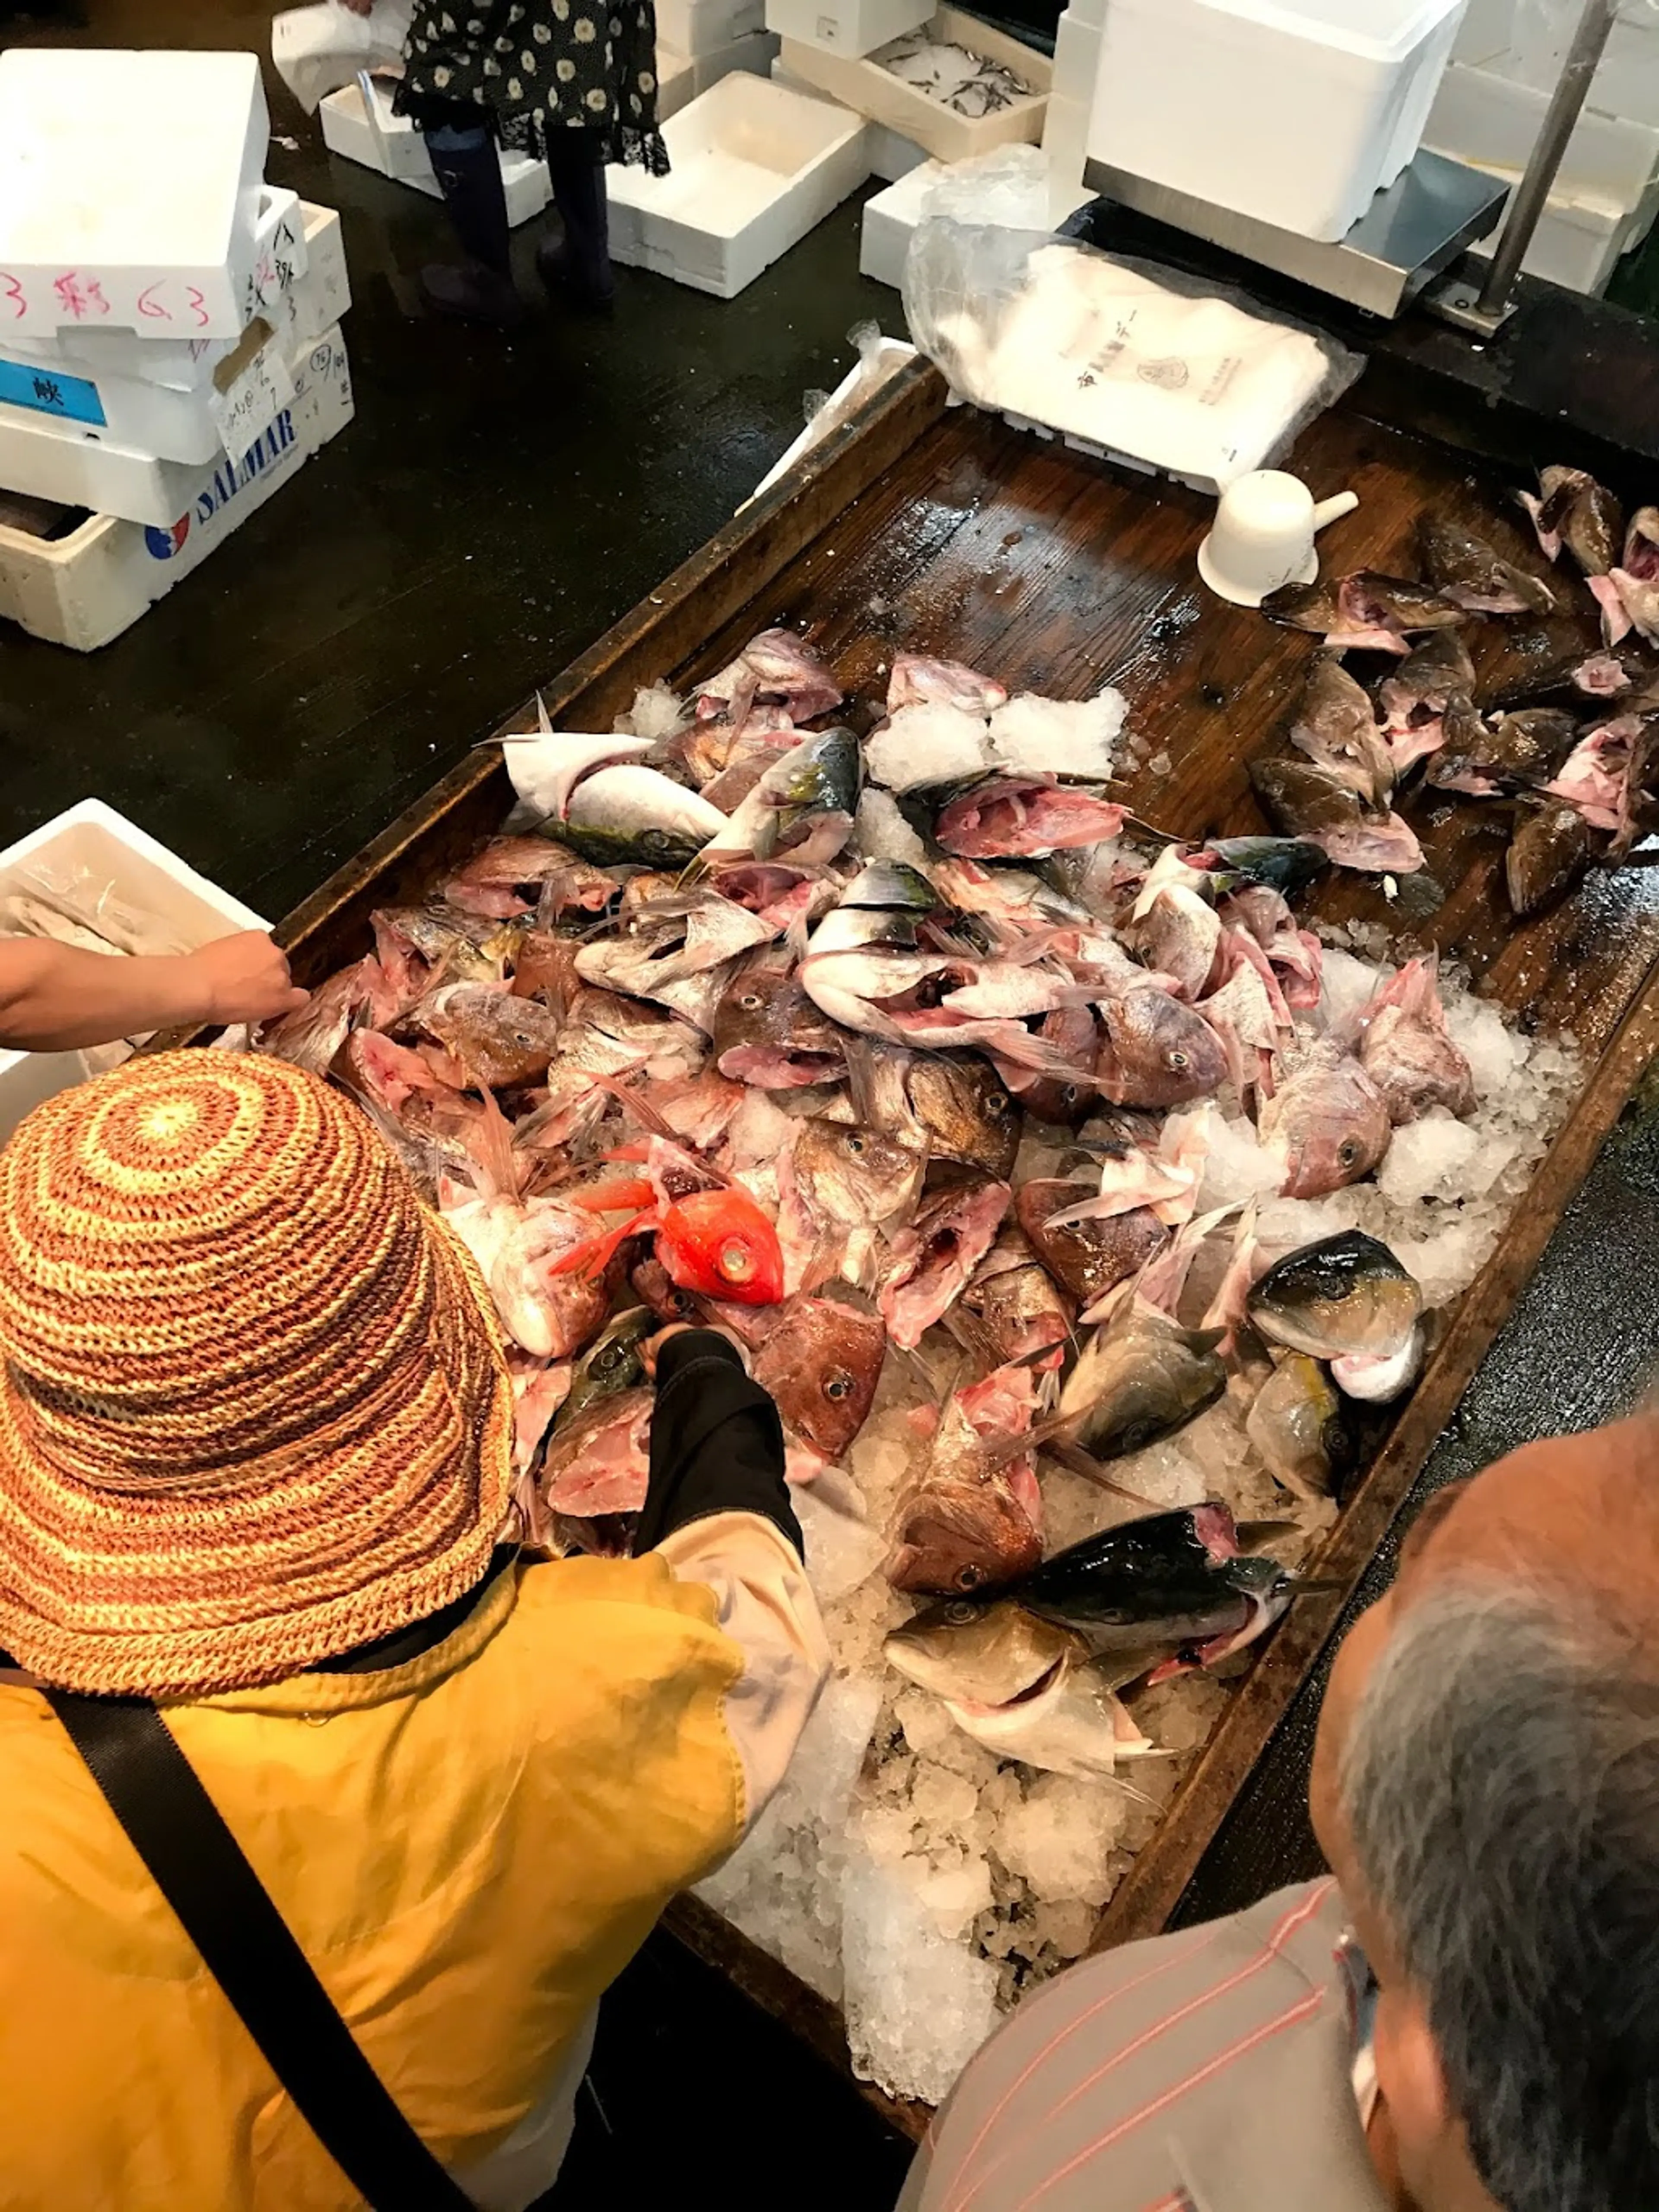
{"x": 469, "y": 1848}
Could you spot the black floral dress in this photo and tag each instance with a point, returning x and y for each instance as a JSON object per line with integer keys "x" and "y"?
{"x": 529, "y": 68}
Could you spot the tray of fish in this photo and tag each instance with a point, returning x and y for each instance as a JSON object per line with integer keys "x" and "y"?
{"x": 1115, "y": 1206}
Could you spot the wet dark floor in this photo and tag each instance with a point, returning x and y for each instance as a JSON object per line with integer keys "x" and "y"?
{"x": 492, "y": 509}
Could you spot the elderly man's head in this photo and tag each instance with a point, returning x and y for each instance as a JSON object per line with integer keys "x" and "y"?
{"x": 1486, "y": 1785}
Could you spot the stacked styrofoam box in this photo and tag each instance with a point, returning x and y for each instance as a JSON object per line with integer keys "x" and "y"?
{"x": 890, "y": 156}
{"x": 846, "y": 26}
{"x": 157, "y": 315}
{"x": 1071, "y": 101}
{"x": 754, "y": 166}
{"x": 681, "y": 76}
{"x": 93, "y": 846}
{"x": 378, "y": 139}
{"x": 1540, "y": 32}
{"x": 1606, "y": 193}
{"x": 1295, "y": 112}
{"x": 890, "y": 218}
{"x": 862, "y": 84}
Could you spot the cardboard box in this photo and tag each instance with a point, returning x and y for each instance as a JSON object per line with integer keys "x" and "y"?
{"x": 86, "y": 587}
{"x": 130, "y": 188}
{"x": 704, "y": 27}
{"x": 754, "y": 168}
{"x": 392, "y": 144}
{"x": 92, "y": 840}
{"x": 868, "y": 89}
{"x": 173, "y": 425}
{"x": 681, "y": 77}
{"x": 846, "y": 26}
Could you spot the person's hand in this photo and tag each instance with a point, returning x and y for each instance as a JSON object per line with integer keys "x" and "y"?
{"x": 654, "y": 1345}
{"x": 245, "y": 978}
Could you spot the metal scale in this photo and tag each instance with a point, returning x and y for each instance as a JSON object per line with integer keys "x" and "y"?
{"x": 1400, "y": 251}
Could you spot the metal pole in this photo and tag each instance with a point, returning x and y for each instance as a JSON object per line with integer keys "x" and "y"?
{"x": 1588, "y": 43}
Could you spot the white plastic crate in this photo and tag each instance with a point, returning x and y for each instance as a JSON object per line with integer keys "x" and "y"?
{"x": 130, "y": 188}
{"x": 85, "y": 588}
{"x": 755, "y": 166}
{"x": 704, "y": 27}
{"x": 681, "y": 77}
{"x": 1294, "y": 112}
{"x": 50, "y": 389}
{"x": 869, "y": 89}
{"x": 846, "y": 26}
{"x": 95, "y": 839}
{"x": 392, "y": 144}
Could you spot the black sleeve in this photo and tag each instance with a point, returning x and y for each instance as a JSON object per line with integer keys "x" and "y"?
{"x": 716, "y": 1443}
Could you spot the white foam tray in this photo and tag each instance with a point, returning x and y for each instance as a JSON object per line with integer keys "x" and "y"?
{"x": 681, "y": 77}
{"x": 51, "y": 389}
{"x": 846, "y": 26}
{"x": 397, "y": 149}
{"x": 755, "y": 166}
{"x": 869, "y": 89}
{"x": 86, "y": 588}
{"x": 145, "y": 874}
{"x": 704, "y": 27}
{"x": 1626, "y": 84}
{"x": 1294, "y": 112}
{"x": 1580, "y": 240}
{"x": 130, "y": 188}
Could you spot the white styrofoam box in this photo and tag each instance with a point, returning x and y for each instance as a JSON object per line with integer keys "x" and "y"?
{"x": 892, "y": 157}
{"x": 702, "y": 27}
{"x": 1077, "y": 58}
{"x": 93, "y": 842}
{"x": 869, "y": 89}
{"x": 172, "y": 424}
{"x": 1484, "y": 32}
{"x": 1578, "y": 241}
{"x": 1493, "y": 123}
{"x": 1065, "y": 137}
{"x": 681, "y": 77}
{"x": 846, "y": 26}
{"x": 889, "y": 218}
{"x": 755, "y": 166}
{"x": 130, "y": 187}
{"x": 304, "y": 309}
{"x": 1626, "y": 81}
{"x": 83, "y": 589}
{"x": 1294, "y": 112}
{"x": 392, "y": 144}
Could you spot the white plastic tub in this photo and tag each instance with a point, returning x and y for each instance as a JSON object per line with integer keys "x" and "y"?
{"x": 755, "y": 166}
{"x": 1294, "y": 112}
{"x": 94, "y": 838}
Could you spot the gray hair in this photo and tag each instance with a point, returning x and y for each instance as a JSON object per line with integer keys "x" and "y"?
{"x": 1501, "y": 1785}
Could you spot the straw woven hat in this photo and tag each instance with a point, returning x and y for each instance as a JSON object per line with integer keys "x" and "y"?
{"x": 253, "y": 1410}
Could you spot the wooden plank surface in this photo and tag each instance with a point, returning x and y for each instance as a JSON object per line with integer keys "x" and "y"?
{"x": 948, "y": 533}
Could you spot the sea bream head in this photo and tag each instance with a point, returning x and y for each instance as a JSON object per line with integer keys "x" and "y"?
{"x": 823, "y": 1366}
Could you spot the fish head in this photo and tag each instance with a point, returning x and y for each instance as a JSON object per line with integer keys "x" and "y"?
{"x": 719, "y": 1244}
{"x": 1140, "y": 1378}
{"x": 953, "y": 1538}
{"x": 768, "y": 1031}
{"x": 964, "y": 1106}
{"x": 1340, "y": 1296}
{"x": 1157, "y": 1052}
{"x": 1550, "y": 850}
{"x": 823, "y": 1364}
{"x": 612, "y": 1363}
{"x": 1088, "y": 1258}
{"x": 854, "y": 1174}
{"x": 1330, "y": 1124}
{"x": 983, "y": 1653}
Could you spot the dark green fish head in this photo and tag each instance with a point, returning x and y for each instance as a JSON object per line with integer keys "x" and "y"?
{"x": 1345, "y": 1294}
{"x": 824, "y": 775}
{"x": 892, "y": 886}
{"x": 1287, "y": 865}
{"x": 1174, "y": 1576}
{"x": 647, "y": 848}
{"x": 612, "y": 1364}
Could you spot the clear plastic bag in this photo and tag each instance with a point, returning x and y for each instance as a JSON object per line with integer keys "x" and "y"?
{"x": 1115, "y": 355}
{"x": 81, "y": 907}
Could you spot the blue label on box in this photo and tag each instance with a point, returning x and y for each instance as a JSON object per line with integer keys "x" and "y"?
{"x": 49, "y": 391}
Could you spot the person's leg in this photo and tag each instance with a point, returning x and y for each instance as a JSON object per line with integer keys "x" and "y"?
{"x": 580, "y": 264}
{"x": 467, "y": 166}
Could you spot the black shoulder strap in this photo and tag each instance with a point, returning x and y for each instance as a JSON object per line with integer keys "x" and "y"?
{"x": 198, "y": 1865}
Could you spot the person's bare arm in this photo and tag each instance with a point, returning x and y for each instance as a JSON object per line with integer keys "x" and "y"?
{"x": 54, "y": 998}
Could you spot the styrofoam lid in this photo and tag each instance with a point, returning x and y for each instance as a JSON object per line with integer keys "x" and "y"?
{"x": 1383, "y": 29}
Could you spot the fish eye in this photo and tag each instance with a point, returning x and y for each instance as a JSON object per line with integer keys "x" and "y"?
{"x": 1070, "y": 1095}
{"x": 996, "y": 1102}
{"x": 750, "y": 1000}
{"x": 1347, "y": 1152}
{"x": 1177, "y": 1061}
{"x": 969, "y": 1578}
{"x": 838, "y": 1386}
{"x": 856, "y": 1145}
{"x": 958, "y": 1612}
{"x": 736, "y": 1262}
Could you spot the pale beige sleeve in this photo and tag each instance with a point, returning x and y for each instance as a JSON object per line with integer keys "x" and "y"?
{"x": 768, "y": 1611}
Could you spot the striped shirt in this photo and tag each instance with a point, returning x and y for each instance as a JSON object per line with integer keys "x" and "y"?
{"x": 1206, "y": 2071}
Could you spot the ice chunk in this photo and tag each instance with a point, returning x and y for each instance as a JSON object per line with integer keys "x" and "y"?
{"x": 1238, "y": 1165}
{"x": 928, "y": 744}
{"x": 831, "y": 1749}
{"x": 1344, "y": 986}
{"x": 1061, "y": 1838}
{"x": 657, "y": 713}
{"x": 883, "y": 834}
{"x": 955, "y": 1896}
{"x": 842, "y": 1548}
{"x": 1491, "y": 1047}
{"x": 918, "y": 2005}
{"x": 1058, "y": 737}
{"x": 1433, "y": 1157}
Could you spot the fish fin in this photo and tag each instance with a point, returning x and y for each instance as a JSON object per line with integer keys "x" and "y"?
{"x": 1072, "y": 1457}
{"x": 638, "y": 1108}
{"x": 592, "y": 1256}
{"x": 488, "y": 1142}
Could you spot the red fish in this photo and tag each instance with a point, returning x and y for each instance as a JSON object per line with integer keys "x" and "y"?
{"x": 714, "y": 1243}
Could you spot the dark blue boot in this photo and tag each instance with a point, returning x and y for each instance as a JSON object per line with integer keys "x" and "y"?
{"x": 481, "y": 289}
{"x": 578, "y": 265}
